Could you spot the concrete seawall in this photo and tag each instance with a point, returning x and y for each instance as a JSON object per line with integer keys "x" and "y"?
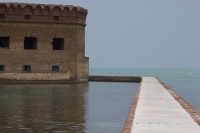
{"x": 188, "y": 108}
{"x": 67, "y": 81}
{"x": 157, "y": 108}
{"x": 193, "y": 114}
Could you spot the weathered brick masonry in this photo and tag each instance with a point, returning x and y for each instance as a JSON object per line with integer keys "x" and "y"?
{"x": 43, "y": 42}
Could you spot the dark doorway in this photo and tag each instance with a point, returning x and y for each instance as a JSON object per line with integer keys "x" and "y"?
{"x": 4, "y": 42}
{"x": 58, "y": 44}
{"x": 30, "y": 43}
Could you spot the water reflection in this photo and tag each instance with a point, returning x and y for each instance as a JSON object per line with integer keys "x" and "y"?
{"x": 43, "y": 108}
{"x": 97, "y": 107}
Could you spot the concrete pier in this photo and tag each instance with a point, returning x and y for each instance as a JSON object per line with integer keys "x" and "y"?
{"x": 157, "y": 109}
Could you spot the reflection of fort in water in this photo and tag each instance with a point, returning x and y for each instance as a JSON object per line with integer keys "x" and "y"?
{"x": 43, "y": 107}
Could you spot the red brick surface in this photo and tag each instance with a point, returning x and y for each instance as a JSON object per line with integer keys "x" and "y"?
{"x": 130, "y": 118}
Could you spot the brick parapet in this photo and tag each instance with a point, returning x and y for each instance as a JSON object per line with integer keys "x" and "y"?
{"x": 43, "y": 12}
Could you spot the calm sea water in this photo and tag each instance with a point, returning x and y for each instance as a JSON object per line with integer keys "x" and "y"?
{"x": 96, "y": 107}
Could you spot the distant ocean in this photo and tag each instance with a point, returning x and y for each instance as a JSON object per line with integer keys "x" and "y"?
{"x": 185, "y": 82}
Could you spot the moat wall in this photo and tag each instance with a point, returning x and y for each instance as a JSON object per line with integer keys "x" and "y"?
{"x": 54, "y": 80}
{"x": 115, "y": 79}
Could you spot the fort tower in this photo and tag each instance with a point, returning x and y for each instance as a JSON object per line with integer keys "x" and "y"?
{"x": 41, "y": 43}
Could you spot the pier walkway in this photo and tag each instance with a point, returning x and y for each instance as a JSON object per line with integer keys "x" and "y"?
{"x": 156, "y": 110}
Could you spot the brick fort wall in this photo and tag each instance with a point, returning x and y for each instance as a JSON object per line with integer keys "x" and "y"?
{"x": 45, "y": 23}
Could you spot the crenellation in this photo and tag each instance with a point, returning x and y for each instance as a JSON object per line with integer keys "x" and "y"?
{"x": 51, "y": 6}
{"x": 43, "y": 12}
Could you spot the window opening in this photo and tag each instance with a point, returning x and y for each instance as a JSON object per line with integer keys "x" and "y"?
{"x": 26, "y": 68}
{"x": 27, "y": 17}
{"x": 2, "y": 68}
{"x": 58, "y": 44}
{"x": 55, "y": 18}
{"x": 4, "y": 42}
{"x": 55, "y": 68}
{"x": 2, "y": 16}
{"x": 30, "y": 43}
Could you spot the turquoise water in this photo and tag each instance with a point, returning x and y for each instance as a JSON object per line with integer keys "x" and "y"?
{"x": 185, "y": 82}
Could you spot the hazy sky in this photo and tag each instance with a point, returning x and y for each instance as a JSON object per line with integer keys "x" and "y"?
{"x": 140, "y": 33}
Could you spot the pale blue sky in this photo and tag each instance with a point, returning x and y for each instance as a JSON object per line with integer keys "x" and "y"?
{"x": 140, "y": 33}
